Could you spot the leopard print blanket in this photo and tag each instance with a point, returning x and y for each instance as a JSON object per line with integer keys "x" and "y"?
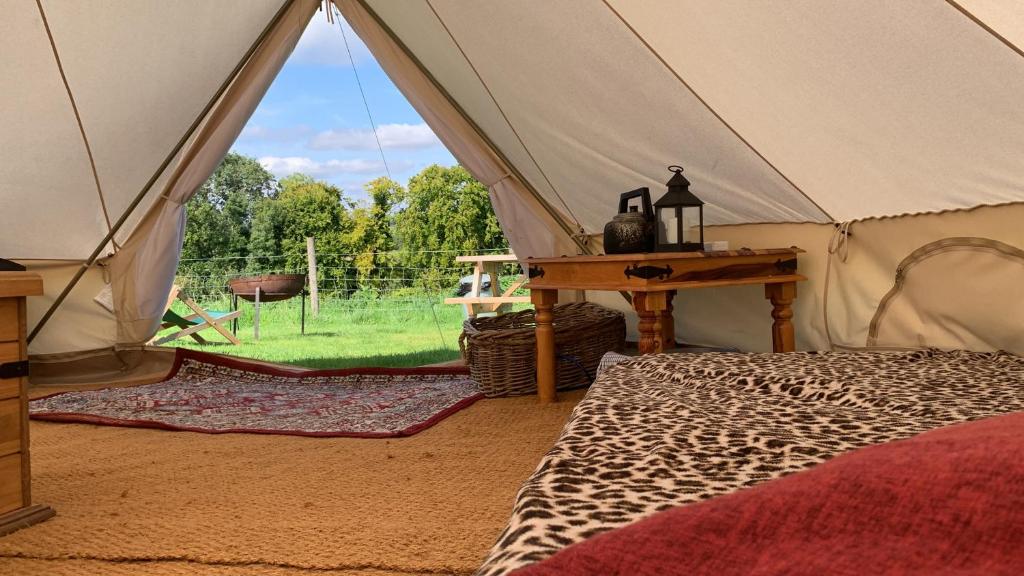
{"x": 658, "y": 431}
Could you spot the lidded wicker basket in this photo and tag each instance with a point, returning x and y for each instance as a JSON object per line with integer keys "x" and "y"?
{"x": 502, "y": 350}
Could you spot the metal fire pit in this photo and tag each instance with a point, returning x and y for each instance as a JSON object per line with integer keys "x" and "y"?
{"x": 267, "y": 288}
{"x": 272, "y": 287}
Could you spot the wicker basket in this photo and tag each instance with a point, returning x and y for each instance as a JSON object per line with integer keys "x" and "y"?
{"x": 502, "y": 351}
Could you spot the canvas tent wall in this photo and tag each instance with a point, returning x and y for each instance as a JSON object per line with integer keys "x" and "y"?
{"x": 108, "y": 105}
{"x": 782, "y": 112}
{"x": 788, "y": 116}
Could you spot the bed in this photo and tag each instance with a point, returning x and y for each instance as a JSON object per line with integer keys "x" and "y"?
{"x": 658, "y": 431}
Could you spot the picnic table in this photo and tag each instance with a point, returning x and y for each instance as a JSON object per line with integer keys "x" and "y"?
{"x": 489, "y": 264}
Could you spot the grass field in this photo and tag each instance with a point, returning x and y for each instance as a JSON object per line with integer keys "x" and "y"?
{"x": 395, "y": 332}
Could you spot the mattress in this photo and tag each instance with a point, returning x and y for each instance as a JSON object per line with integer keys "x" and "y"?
{"x": 658, "y": 431}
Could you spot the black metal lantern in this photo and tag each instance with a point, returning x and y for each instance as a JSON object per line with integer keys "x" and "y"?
{"x": 679, "y": 216}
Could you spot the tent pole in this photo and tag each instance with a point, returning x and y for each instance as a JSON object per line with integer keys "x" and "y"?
{"x": 160, "y": 170}
{"x": 552, "y": 212}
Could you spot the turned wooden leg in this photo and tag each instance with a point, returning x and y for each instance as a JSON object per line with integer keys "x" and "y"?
{"x": 649, "y": 306}
{"x": 782, "y": 296}
{"x": 543, "y": 302}
{"x": 668, "y": 323}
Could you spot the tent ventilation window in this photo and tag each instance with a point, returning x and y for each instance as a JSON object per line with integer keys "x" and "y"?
{"x": 917, "y": 311}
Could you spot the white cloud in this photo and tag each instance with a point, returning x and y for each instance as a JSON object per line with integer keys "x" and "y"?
{"x": 407, "y": 136}
{"x": 285, "y": 134}
{"x": 323, "y": 45}
{"x": 283, "y": 166}
{"x": 402, "y": 136}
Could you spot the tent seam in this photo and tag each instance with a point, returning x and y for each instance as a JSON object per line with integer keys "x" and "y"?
{"x": 503, "y": 114}
{"x": 986, "y": 27}
{"x": 78, "y": 119}
{"x": 714, "y": 112}
{"x": 551, "y": 211}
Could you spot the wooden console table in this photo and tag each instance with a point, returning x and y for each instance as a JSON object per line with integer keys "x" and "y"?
{"x": 652, "y": 280}
{"x": 16, "y": 509}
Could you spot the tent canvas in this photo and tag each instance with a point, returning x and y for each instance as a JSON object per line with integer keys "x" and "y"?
{"x": 789, "y": 117}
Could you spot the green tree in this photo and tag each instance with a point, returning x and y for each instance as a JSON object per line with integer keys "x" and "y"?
{"x": 446, "y": 211}
{"x": 208, "y": 233}
{"x": 372, "y": 236}
{"x": 243, "y": 220}
{"x": 235, "y": 188}
{"x": 315, "y": 208}
{"x": 265, "y": 236}
{"x": 220, "y": 214}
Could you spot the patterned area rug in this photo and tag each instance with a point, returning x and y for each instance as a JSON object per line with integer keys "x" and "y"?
{"x": 217, "y": 394}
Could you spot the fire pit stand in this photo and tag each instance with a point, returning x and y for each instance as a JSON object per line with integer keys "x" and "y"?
{"x": 266, "y": 288}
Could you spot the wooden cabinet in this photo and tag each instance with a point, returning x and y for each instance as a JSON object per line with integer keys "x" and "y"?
{"x": 16, "y": 509}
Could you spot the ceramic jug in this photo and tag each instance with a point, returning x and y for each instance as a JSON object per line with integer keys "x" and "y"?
{"x": 631, "y": 230}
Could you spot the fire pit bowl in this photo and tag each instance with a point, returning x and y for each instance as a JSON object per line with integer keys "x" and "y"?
{"x": 273, "y": 287}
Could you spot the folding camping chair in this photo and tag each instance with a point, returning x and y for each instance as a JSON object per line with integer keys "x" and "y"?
{"x": 191, "y": 324}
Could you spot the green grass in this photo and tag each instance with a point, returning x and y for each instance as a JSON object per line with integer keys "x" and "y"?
{"x": 393, "y": 332}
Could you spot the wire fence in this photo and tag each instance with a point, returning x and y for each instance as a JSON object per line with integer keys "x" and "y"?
{"x": 345, "y": 283}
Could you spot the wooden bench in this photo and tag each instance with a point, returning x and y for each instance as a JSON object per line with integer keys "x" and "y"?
{"x": 490, "y": 265}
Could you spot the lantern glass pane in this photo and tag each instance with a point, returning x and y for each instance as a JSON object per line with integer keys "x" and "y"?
{"x": 668, "y": 226}
{"x": 691, "y": 225}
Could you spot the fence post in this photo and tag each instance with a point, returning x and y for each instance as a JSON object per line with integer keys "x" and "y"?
{"x": 314, "y": 294}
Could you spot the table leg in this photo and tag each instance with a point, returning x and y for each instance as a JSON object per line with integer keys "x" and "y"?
{"x": 543, "y": 302}
{"x": 493, "y": 271}
{"x": 650, "y": 306}
{"x": 668, "y": 323}
{"x": 782, "y": 296}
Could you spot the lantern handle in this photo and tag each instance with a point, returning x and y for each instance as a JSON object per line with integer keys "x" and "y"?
{"x": 676, "y": 169}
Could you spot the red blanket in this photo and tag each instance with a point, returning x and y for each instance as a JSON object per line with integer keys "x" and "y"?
{"x": 950, "y": 501}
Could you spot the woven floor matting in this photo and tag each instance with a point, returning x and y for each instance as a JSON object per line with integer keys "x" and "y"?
{"x": 151, "y": 503}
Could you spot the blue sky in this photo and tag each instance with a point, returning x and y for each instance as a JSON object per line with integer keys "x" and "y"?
{"x": 313, "y": 120}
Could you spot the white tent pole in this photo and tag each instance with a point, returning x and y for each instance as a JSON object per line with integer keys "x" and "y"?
{"x": 159, "y": 171}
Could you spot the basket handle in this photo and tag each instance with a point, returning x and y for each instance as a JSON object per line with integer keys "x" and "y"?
{"x": 463, "y": 348}
{"x": 574, "y": 360}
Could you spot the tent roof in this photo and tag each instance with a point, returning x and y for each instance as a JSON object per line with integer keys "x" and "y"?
{"x": 780, "y": 111}
{"x": 140, "y": 73}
